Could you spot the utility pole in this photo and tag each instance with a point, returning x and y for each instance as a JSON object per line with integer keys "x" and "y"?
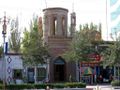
{"x": 107, "y": 18}
{"x": 4, "y": 21}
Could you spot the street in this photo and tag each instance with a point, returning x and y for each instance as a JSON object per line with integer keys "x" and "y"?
{"x": 103, "y": 87}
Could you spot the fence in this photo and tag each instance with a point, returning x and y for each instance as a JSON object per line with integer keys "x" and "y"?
{"x": 86, "y": 79}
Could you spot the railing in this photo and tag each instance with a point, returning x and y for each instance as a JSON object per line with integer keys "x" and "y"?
{"x": 86, "y": 79}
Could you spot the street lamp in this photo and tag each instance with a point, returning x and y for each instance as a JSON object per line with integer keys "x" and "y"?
{"x": 4, "y": 32}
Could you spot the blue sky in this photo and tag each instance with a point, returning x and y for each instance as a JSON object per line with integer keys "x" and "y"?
{"x": 86, "y": 10}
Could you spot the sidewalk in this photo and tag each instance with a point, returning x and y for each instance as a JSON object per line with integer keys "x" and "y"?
{"x": 102, "y": 87}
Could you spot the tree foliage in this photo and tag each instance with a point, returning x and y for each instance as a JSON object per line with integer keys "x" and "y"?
{"x": 90, "y": 26}
{"x": 92, "y": 30}
{"x": 81, "y": 45}
{"x": 111, "y": 54}
{"x": 14, "y": 41}
{"x": 32, "y": 45}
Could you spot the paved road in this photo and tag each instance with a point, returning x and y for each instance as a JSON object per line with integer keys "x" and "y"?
{"x": 95, "y": 87}
{"x": 103, "y": 87}
{"x": 100, "y": 87}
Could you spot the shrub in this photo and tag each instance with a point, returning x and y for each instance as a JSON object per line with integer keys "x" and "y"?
{"x": 115, "y": 83}
{"x": 81, "y": 85}
{"x": 40, "y": 86}
{"x": 1, "y": 86}
{"x": 18, "y": 87}
{"x": 51, "y": 85}
{"x": 43, "y": 86}
{"x": 59, "y": 85}
{"x": 75, "y": 84}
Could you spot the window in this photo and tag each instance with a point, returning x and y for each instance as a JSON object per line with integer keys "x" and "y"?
{"x": 17, "y": 73}
{"x": 41, "y": 74}
{"x": 54, "y": 26}
{"x": 63, "y": 26}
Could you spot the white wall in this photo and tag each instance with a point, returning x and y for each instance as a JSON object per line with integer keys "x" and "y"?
{"x": 11, "y": 62}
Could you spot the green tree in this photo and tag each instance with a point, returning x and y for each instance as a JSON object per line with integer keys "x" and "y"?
{"x": 14, "y": 41}
{"x": 111, "y": 54}
{"x": 81, "y": 45}
{"x": 32, "y": 45}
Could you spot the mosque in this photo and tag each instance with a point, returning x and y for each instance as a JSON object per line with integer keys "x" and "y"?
{"x": 57, "y": 36}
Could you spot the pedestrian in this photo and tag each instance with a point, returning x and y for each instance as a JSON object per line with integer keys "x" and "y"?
{"x": 110, "y": 78}
{"x": 101, "y": 78}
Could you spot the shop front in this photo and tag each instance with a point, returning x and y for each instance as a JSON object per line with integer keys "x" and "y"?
{"x": 89, "y": 72}
{"x": 93, "y": 72}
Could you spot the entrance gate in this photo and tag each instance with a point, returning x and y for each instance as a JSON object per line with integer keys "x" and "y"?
{"x": 59, "y": 70}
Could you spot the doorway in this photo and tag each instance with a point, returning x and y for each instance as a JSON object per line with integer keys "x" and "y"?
{"x": 30, "y": 75}
{"x": 59, "y": 70}
{"x": 106, "y": 73}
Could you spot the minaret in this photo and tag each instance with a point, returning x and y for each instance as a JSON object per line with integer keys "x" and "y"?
{"x": 73, "y": 22}
{"x": 40, "y": 26}
{"x": 100, "y": 27}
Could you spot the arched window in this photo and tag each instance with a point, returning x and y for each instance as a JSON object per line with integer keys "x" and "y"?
{"x": 73, "y": 20}
{"x": 54, "y": 25}
{"x": 63, "y": 26}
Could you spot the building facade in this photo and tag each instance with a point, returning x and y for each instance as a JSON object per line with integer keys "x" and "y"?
{"x": 11, "y": 68}
{"x": 58, "y": 39}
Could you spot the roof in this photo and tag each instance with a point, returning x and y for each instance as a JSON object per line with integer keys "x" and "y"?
{"x": 54, "y": 8}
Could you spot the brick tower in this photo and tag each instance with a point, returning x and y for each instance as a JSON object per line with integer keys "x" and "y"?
{"x": 55, "y": 35}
